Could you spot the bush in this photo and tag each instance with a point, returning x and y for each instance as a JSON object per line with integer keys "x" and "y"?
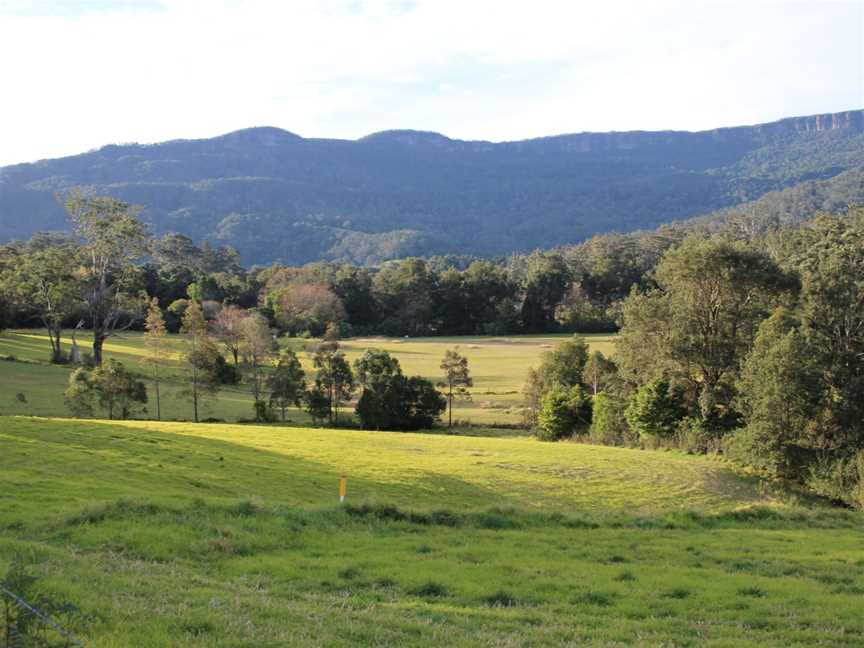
{"x": 757, "y": 447}
{"x": 654, "y": 412}
{"x": 694, "y": 436}
{"x": 226, "y": 373}
{"x": 400, "y": 403}
{"x": 115, "y": 390}
{"x": 263, "y": 412}
{"x": 608, "y": 423}
{"x": 840, "y": 479}
{"x": 79, "y": 396}
{"x": 563, "y": 411}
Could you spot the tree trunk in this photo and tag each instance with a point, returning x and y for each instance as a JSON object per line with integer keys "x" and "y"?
{"x": 256, "y": 391}
{"x": 450, "y": 408}
{"x": 158, "y": 403}
{"x": 56, "y": 351}
{"x": 98, "y": 341}
{"x": 194, "y": 391}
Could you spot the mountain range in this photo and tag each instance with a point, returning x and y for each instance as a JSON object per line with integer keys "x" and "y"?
{"x": 276, "y": 196}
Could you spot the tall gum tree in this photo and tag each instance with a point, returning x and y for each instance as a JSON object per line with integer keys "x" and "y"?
{"x": 112, "y": 239}
{"x": 41, "y": 280}
{"x": 700, "y": 322}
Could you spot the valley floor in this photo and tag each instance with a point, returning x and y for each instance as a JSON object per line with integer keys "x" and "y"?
{"x": 31, "y": 386}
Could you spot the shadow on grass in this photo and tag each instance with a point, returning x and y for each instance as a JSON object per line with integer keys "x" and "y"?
{"x": 97, "y": 463}
{"x": 92, "y": 461}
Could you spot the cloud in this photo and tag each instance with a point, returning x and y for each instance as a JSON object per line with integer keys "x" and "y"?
{"x": 81, "y": 74}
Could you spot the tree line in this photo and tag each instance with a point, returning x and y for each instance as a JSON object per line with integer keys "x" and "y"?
{"x": 749, "y": 343}
{"x": 104, "y": 275}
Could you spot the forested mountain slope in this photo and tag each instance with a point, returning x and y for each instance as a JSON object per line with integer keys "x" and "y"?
{"x": 794, "y": 204}
{"x": 276, "y": 196}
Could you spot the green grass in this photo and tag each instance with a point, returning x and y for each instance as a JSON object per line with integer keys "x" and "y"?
{"x": 168, "y": 534}
{"x": 498, "y": 365}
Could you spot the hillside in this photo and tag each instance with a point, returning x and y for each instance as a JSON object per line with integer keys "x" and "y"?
{"x": 298, "y": 466}
{"x": 795, "y": 204}
{"x": 210, "y": 536}
{"x": 277, "y": 196}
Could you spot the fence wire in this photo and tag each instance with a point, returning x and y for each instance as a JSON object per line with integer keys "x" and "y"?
{"x": 24, "y": 625}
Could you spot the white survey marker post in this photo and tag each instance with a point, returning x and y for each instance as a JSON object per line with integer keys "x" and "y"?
{"x": 343, "y": 483}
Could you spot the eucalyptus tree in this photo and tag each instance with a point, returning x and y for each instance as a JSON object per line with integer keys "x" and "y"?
{"x": 156, "y": 349}
{"x": 42, "y": 281}
{"x": 201, "y": 360}
{"x": 112, "y": 239}
{"x": 699, "y": 324}
{"x": 287, "y": 383}
{"x": 257, "y": 349}
{"x": 335, "y": 379}
{"x": 457, "y": 379}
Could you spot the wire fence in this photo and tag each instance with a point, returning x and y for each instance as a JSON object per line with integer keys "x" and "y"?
{"x": 24, "y": 625}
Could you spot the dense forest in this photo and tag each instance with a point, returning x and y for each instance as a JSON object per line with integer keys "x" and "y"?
{"x": 748, "y": 341}
{"x": 275, "y": 196}
{"x": 574, "y": 288}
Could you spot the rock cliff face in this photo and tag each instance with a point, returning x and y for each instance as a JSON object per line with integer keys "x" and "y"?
{"x": 277, "y": 196}
{"x": 851, "y": 121}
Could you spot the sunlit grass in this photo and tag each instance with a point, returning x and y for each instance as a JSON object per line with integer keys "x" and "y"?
{"x": 498, "y": 366}
{"x": 169, "y": 534}
{"x": 300, "y": 466}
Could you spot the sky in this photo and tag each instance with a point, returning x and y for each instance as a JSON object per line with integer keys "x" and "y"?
{"x": 79, "y": 74}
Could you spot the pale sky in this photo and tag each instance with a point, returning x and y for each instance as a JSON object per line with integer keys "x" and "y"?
{"x": 79, "y": 74}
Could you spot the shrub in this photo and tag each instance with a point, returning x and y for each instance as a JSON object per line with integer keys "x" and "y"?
{"x": 839, "y": 479}
{"x": 79, "y": 396}
{"x": 115, "y": 389}
{"x": 694, "y": 437}
{"x": 562, "y": 412}
{"x": 225, "y": 372}
{"x": 653, "y": 412}
{"x": 608, "y": 423}
{"x": 390, "y": 401}
{"x": 263, "y": 412}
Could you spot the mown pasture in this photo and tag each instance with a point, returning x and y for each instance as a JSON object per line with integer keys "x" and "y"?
{"x": 498, "y": 365}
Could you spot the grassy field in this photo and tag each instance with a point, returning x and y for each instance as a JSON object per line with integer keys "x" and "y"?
{"x": 173, "y": 534}
{"x": 498, "y": 365}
